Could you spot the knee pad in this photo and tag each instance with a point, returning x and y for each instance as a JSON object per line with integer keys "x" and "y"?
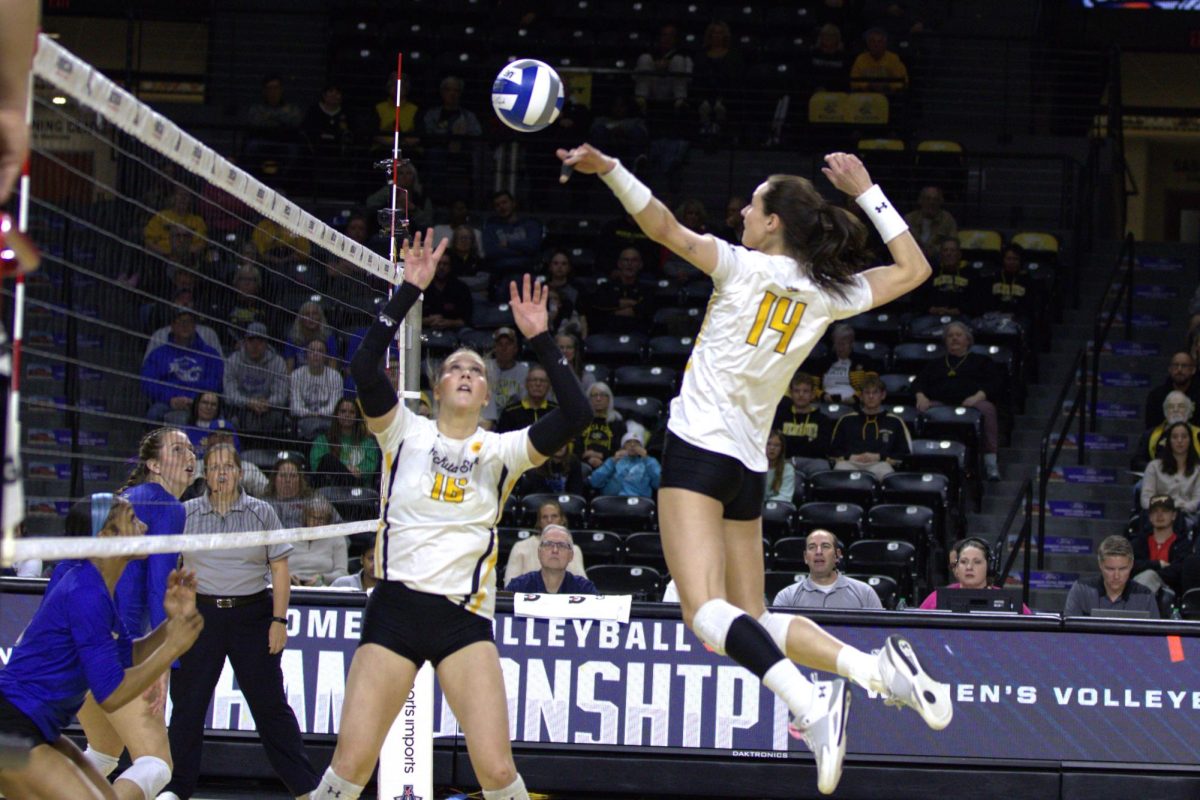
{"x": 101, "y": 761}
{"x": 149, "y": 773}
{"x": 777, "y": 625}
{"x": 711, "y": 623}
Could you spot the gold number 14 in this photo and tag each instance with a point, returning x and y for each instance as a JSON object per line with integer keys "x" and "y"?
{"x": 779, "y": 314}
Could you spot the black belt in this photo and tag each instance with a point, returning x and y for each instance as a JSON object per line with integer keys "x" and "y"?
{"x": 232, "y": 602}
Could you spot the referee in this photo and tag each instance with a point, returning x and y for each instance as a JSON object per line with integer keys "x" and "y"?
{"x": 244, "y": 621}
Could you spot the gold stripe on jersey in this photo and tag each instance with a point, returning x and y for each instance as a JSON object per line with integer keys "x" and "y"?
{"x": 477, "y": 599}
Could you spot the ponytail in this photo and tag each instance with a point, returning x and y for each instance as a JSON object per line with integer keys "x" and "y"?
{"x": 150, "y": 447}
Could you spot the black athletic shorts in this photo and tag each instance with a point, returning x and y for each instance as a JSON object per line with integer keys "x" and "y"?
{"x": 740, "y": 489}
{"x": 419, "y": 626}
{"x": 14, "y": 722}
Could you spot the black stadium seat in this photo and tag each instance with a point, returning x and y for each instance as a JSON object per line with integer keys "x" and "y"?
{"x": 644, "y": 583}
{"x": 776, "y": 580}
{"x": 886, "y": 588}
{"x": 614, "y": 349}
{"x": 842, "y": 519}
{"x": 646, "y": 381}
{"x": 598, "y": 547}
{"x": 778, "y": 519}
{"x": 645, "y": 549}
{"x": 788, "y": 554}
{"x": 624, "y": 514}
{"x": 574, "y": 507}
{"x": 897, "y": 560}
{"x": 910, "y": 523}
{"x": 843, "y": 486}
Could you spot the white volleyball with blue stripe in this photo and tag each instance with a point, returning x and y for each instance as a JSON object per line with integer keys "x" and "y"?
{"x": 527, "y": 95}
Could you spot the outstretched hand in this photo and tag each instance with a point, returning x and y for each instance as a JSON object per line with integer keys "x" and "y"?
{"x": 846, "y": 172}
{"x": 586, "y": 159}
{"x": 529, "y": 306}
{"x": 421, "y": 258}
{"x": 180, "y": 597}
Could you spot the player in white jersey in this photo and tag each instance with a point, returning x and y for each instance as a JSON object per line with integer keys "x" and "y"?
{"x": 444, "y": 485}
{"x": 799, "y": 270}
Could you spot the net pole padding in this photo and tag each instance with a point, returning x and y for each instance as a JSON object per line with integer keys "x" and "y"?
{"x": 57, "y": 548}
{"x": 92, "y": 89}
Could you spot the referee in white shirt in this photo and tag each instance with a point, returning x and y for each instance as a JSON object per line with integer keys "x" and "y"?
{"x": 825, "y": 586}
{"x": 242, "y": 593}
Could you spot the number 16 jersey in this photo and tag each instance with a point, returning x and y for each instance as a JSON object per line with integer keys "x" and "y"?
{"x": 764, "y": 318}
{"x": 441, "y": 500}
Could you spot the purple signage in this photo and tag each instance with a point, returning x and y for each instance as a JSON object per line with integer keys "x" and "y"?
{"x": 1135, "y": 380}
{"x": 1079, "y": 509}
{"x": 1087, "y": 474}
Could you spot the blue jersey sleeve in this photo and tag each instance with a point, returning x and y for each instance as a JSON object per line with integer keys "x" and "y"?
{"x": 130, "y": 595}
{"x": 99, "y": 652}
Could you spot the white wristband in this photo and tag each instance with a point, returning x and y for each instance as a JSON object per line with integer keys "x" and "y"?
{"x": 632, "y": 193}
{"x": 884, "y": 217}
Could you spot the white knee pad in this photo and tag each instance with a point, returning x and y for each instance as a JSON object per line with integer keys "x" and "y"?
{"x": 101, "y": 761}
{"x": 712, "y": 621}
{"x": 777, "y": 625}
{"x": 149, "y": 773}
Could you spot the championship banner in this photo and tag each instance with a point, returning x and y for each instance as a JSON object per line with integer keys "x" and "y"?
{"x": 1031, "y": 691}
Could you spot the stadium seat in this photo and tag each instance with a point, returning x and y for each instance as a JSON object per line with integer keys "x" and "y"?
{"x": 835, "y": 411}
{"x": 843, "y": 486}
{"x": 673, "y": 351}
{"x": 696, "y": 294}
{"x": 929, "y": 489}
{"x": 886, "y": 588}
{"x": 646, "y": 381}
{"x": 957, "y": 423}
{"x": 644, "y": 583}
{"x": 778, "y": 519}
{"x": 878, "y": 326}
{"x": 910, "y": 523}
{"x": 645, "y": 549}
{"x": 646, "y": 410}
{"x": 776, "y": 580}
{"x": 909, "y": 414}
{"x": 866, "y": 108}
{"x": 489, "y": 316}
{"x": 842, "y": 519}
{"x": 899, "y": 388}
{"x": 614, "y": 349}
{"x": 353, "y": 503}
{"x": 876, "y": 350}
{"x": 624, "y": 514}
{"x": 599, "y": 373}
{"x": 513, "y": 514}
{"x": 827, "y": 108}
{"x": 909, "y": 358}
{"x": 438, "y": 344}
{"x": 676, "y": 321}
{"x": 506, "y": 538}
{"x": 599, "y": 547}
{"x": 930, "y": 327}
{"x": 265, "y": 458}
{"x": 944, "y": 456}
{"x": 897, "y": 560}
{"x": 980, "y": 246}
{"x": 1189, "y": 605}
{"x": 478, "y": 340}
{"x": 1040, "y": 248}
{"x": 787, "y": 554}
{"x": 573, "y": 506}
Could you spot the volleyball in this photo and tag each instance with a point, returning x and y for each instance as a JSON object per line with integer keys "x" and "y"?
{"x": 527, "y": 95}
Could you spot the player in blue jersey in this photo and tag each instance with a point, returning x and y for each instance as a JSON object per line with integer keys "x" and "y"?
{"x": 164, "y": 470}
{"x": 76, "y": 643}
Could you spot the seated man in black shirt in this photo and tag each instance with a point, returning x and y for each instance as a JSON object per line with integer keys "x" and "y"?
{"x": 806, "y": 431}
{"x": 953, "y": 289}
{"x": 526, "y": 411}
{"x": 870, "y": 440}
{"x": 622, "y": 305}
{"x": 448, "y": 303}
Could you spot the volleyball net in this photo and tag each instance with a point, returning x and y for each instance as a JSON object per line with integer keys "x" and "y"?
{"x": 178, "y": 288}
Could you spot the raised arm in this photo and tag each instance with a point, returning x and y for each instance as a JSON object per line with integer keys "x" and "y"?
{"x": 654, "y": 218}
{"x": 910, "y": 270}
{"x": 17, "y": 36}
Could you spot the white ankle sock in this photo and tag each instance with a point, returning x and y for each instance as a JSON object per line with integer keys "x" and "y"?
{"x": 860, "y": 667}
{"x": 796, "y": 691}
{"x": 101, "y": 761}
{"x": 514, "y": 791}
{"x": 333, "y": 787}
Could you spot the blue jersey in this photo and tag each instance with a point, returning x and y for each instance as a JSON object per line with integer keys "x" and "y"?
{"x": 140, "y": 591}
{"x": 75, "y": 642}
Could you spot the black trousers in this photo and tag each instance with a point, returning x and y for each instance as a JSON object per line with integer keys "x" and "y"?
{"x": 241, "y": 634}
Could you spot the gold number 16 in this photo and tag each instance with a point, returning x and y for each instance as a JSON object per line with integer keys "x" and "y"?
{"x": 779, "y": 314}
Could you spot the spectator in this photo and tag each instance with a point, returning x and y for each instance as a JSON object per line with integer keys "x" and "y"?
{"x": 511, "y": 243}
{"x": 164, "y": 315}
{"x": 460, "y": 217}
{"x": 623, "y": 133}
{"x": 970, "y": 568}
{"x": 781, "y": 475}
{"x": 692, "y": 214}
{"x": 842, "y": 371}
{"x": 963, "y": 378}
{"x": 316, "y": 389}
{"x": 825, "y": 586}
{"x": 896, "y": 17}
{"x": 385, "y": 119}
{"x": 524, "y": 555}
{"x": 256, "y": 384}
{"x": 718, "y": 80}
{"x": 174, "y": 372}
{"x": 363, "y": 546}
{"x": 1181, "y": 377}
{"x": 562, "y": 473}
{"x": 413, "y": 200}
{"x": 277, "y": 246}
{"x": 506, "y": 375}
{"x": 623, "y": 305}
{"x": 328, "y": 128}
{"x": 555, "y": 552}
{"x": 806, "y": 432}
{"x": 1175, "y": 474}
{"x": 450, "y": 120}
{"x": 345, "y": 454}
{"x": 619, "y": 234}
{"x": 466, "y": 261}
{"x": 447, "y": 133}
{"x": 1176, "y": 407}
{"x": 273, "y": 137}
{"x": 603, "y": 436}
{"x": 828, "y": 60}
{"x": 560, "y": 277}
{"x": 318, "y": 562}
{"x": 1159, "y": 553}
{"x": 732, "y": 226}
{"x": 952, "y": 289}
{"x": 448, "y": 304}
{"x": 247, "y": 304}
{"x": 289, "y": 491}
{"x": 661, "y": 77}
{"x": 178, "y": 216}
{"x": 534, "y": 405}
{"x": 254, "y": 482}
{"x": 878, "y": 69}
{"x": 930, "y": 223}
{"x": 310, "y": 326}
{"x": 1011, "y": 292}
{"x": 870, "y": 439}
{"x": 568, "y": 343}
{"x": 1112, "y": 587}
{"x": 207, "y": 416}
{"x": 629, "y": 472}
{"x": 564, "y": 318}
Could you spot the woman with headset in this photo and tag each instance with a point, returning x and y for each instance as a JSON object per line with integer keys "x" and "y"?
{"x": 972, "y": 570}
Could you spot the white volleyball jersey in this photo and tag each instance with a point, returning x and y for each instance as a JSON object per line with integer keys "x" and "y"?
{"x": 441, "y": 500}
{"x": 763, "y": 319}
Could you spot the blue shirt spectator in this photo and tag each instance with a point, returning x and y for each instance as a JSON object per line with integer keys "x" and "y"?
{"x": 629, "y": 472}
{"x": 555, "y": 552}
{"x": 510, "y": 243}
{"x": 534, "y": 583}
{"x": 175, "y": 372}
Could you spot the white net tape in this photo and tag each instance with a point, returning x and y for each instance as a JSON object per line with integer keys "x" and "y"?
{"x": 57, "y": 548}
{"x": 91, "y": 88}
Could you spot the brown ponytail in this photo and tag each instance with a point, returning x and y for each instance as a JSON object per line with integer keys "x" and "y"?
{"x": 827, "y": 241}
{"x": 150, "y": 447}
